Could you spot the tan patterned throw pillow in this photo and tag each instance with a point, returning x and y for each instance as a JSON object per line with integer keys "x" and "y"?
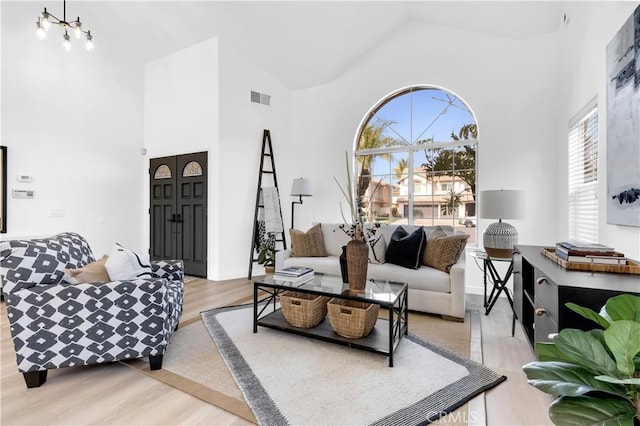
{"x": 431, "y": 235}
{"x": 443, "y": 252}
{"x": 91, "y": 273}
{"x": 307, "y": 244}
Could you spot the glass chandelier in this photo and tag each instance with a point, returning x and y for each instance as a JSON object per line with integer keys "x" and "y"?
{"x": 46, "y": 19}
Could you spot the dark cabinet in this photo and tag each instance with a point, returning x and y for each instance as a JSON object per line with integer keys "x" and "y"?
{"x": 542, "y": 288}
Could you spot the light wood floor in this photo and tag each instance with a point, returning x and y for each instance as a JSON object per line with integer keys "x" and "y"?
{"x": 115, "y": 394}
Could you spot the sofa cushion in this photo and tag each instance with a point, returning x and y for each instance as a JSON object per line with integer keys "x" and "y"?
{"x": 406, "y": 249}
{"x": 42, "y": 261}
{"x": 377, "y": 249}
{"x": 428, "y": 279}
{"x": 307, "y": 244}
{"x": 123, "y": 264}
{"x": 444, "y": 252}
{"x": 334, "y": 238}
{"x": 94, "y": 272}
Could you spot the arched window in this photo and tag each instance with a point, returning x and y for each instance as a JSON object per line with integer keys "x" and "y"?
{"x": 416, "y": 157}
{"x": 162, "y": 172}
{"x": 193, "y": 168}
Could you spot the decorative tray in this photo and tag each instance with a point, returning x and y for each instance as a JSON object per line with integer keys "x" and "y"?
{"x": 632, "y": 266}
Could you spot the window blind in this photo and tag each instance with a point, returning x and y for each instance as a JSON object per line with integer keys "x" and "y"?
{"x": 583, "y": 175}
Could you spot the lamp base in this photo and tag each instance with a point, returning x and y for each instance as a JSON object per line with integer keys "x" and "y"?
{"x": 499, "y": 239}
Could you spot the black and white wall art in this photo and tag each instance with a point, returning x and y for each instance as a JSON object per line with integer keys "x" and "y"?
{"x": 623, "y": 124}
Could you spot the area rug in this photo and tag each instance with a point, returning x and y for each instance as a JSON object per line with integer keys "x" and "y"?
{"x": 290, "y": 379}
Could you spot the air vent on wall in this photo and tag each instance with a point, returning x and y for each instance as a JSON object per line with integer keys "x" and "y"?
{"x": 260, "y": 98}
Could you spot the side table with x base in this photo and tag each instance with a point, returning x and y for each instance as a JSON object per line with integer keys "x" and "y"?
{"x": 499, "y": 284}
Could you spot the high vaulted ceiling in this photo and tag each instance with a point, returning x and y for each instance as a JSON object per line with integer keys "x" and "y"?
{"x": 302, "y": 43}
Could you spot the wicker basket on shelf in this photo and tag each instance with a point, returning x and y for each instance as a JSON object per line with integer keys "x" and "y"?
{"x": 352, "y": 319}
{"x": 303, "y": 310}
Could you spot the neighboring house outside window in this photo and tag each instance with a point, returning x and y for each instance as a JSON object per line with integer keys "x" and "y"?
{"x": 416, "y": 158}
{"x": 583, "y": 175}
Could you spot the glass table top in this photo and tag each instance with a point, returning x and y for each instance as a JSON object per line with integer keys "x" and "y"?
{"x": 375, "y": 290}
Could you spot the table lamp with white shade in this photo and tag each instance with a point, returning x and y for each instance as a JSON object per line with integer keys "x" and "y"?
{"x": 500, "y": 237}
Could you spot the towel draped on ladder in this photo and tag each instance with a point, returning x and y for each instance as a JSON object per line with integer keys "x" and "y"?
{"x": 272, "y": 215}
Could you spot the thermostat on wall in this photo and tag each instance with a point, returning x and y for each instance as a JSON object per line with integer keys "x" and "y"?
{"x": 22, "y": 193}
{"x": 24, "y": 178}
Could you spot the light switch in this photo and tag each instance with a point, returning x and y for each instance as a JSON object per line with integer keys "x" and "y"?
{"x": 56, "y": 212}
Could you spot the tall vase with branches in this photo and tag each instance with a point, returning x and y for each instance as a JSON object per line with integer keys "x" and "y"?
{"x": 358, "y": 248}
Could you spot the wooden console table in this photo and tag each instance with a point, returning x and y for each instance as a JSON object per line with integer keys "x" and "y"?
{"x": 541, "y": 288}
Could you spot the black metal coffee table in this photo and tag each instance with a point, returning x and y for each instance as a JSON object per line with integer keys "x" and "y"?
{"x": 383, "y": 339}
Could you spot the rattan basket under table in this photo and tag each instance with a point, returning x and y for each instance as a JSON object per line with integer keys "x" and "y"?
{"x": 351, "y": 318}
{"x": 303, "y": 310}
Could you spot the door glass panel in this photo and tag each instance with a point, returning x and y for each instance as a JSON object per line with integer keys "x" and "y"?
{"x": 192, "y": 168}
{"x": 162, "y": 172}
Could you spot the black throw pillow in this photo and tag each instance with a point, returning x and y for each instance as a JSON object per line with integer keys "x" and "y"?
{"x": 406, "y": 249}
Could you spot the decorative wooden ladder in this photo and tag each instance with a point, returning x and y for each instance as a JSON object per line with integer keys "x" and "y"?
{"x": 267, "y": 151}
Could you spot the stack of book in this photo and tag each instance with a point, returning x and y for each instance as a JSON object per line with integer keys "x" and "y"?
{"x": 573, "y": 251}
{"x": 294, "y": 274}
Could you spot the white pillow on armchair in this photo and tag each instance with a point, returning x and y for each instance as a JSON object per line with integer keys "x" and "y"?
{"x": 123, "y": 264}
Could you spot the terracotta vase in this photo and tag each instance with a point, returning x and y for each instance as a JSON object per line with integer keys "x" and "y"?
{"x": 357, "y": 262}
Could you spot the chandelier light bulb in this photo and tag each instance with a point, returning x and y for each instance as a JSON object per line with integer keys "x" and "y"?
{"x": 46, "y": 23}
{"x": 66, "y": 43}
{"x": 39, "y": 30}
{"x": 89, "y": 43}
{"x": 78, "y": 27}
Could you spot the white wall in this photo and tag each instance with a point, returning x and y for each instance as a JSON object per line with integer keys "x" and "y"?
{"x": 72, "y": 121}
{"x": 510, "y": 85}
{"x": 198, "y": 99}
{"x": 181, "y": 115}
{"x": 241, "y": 128}
{"x": 591, "y": 27}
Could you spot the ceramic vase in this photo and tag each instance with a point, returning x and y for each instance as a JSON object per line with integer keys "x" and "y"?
{"x": 343, "y": 265}
{"x": 357, "y": 263}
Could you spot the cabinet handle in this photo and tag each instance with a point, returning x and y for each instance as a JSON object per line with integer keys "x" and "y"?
{"x": 540, "y": 312}
{"x": 515, "y": 272}
{"x": 541, "y": 280}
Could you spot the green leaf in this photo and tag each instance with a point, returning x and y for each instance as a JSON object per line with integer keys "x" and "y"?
{"x": 624, "y": 307}
{"x": 561, "y": 378}
{"x": 586, "y": 350}
{"x": 609, "y": 379}
{"x": 623, "y": 338}
{"x": 588, "y": 314}
{"x": 603, "y": 313}
{"x": 549, "y": 352}
{"x": 584, "y": 410}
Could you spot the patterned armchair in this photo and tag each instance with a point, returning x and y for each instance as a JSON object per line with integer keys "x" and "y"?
{"x": 55, "y": 324}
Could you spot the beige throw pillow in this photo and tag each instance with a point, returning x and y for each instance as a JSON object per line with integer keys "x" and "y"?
{"x": 91, "y": 273}
{"x": 443, "y": 252}
{"x": 307, "y": 244}
{"x": 431, "y": 235}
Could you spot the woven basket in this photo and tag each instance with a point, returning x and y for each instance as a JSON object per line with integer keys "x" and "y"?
{"x": 303, "y": 310}
{"x": 352, "y": 319}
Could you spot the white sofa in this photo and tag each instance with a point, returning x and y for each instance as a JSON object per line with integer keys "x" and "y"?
{"x": 430, "y": 290}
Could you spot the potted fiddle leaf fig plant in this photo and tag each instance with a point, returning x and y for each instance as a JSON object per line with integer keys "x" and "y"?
{"x": 594, "y": 374}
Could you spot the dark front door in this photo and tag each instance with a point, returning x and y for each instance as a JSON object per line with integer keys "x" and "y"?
{"x": 178, "y": 210}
